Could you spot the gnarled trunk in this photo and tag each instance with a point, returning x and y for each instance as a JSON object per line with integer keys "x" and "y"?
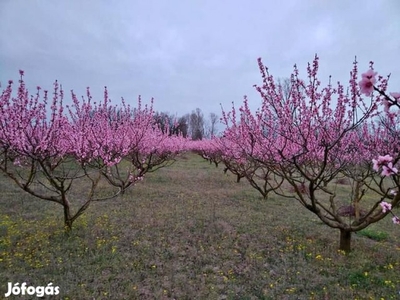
{"x": 345, "y": 240}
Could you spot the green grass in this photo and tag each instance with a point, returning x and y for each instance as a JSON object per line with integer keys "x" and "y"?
{"x": 373, "y": 234}
{"x": 191, "y": 232}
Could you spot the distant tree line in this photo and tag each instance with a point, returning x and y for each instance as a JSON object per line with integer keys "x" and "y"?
{"x": 193, "y": 125}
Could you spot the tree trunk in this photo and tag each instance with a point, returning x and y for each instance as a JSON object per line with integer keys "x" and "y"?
{"x": 67, "y": 218}
{"x": 345, "y": 240}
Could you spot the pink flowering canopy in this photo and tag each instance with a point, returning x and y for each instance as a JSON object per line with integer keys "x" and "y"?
{"x": 45, "y": 143}
{"x": 310, "y": 135}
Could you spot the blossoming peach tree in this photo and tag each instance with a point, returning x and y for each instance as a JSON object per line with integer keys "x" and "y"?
{"x": 47, "y": 149}
{"x": 312, "y": 136}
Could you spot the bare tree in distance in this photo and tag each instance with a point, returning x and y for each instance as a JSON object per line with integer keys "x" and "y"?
{"x": 196, "y": 124}
{"x": 172, "y": 124}
{"x": 182, "y": 125}
{"x": 165, "y": 121}
{"x": 213, "y": 121}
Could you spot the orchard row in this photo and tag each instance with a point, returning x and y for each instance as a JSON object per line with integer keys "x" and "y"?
{"x": 303, "y": 136}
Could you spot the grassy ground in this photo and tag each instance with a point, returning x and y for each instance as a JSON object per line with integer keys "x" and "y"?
{"x": 191, "y": 232}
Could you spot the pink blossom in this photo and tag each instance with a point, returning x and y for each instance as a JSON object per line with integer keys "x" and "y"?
{"x": 389, "y": 170}
{"x": 396, "y": 220}
{"x": 385, "y": 206}
{"x": 370, "y": 75}
{"x": 366, "y": 87}
{"x": 386, "y": 163}
{"x": 387, "y": 158}
{"x": 376, "y": 165}
{"x": 367, "y": 82}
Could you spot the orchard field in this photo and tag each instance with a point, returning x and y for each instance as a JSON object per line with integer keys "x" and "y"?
{"x": 189, "y": 231}
{"x": 314, "y": 216}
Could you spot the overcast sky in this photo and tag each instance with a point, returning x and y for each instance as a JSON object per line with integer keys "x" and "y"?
{"x": 193, "y": 53}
